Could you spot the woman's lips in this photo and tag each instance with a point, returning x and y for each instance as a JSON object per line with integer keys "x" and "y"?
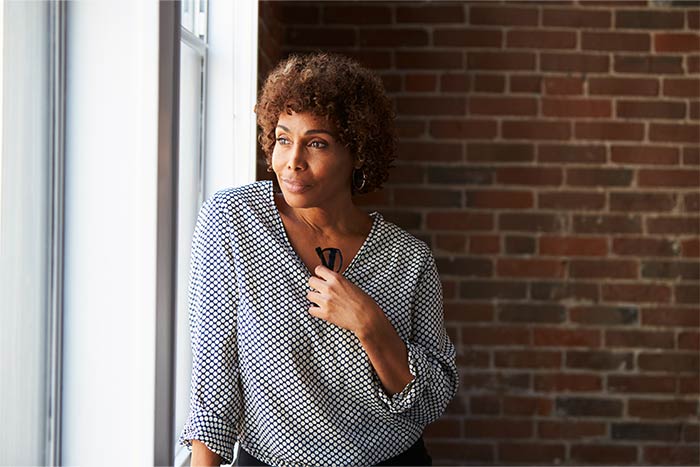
{"x": 295, "y": 187}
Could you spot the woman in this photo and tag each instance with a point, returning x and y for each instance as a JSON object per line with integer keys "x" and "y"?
{"x": 317, "y": 329}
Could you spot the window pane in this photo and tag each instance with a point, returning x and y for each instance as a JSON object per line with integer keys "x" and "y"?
{"x": 188, "y": 207}
{"x": 24, "y": 237}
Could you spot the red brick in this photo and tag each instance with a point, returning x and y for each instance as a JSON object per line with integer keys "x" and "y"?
{"x": 674, "y": 270}
{"x": 641, "y": 339}
{"x": 649, "y": 19}
{"x": 681, "y": 87}
{"x": 648, "y": 64}
{"x": 495, "y": 335}
{"x": 484, "y": 244}
{"x": 636, "y": 293}
{"x": 599, "y": 360}
{"x": 641, "y": 384}
{"x": 356, "y": 14}
{"x": 451, "y": 13}
{"x": 686, "y": 294}
{"x": 673, "y": 225}
{"x": 496, "y": 382}
{"x": 689, "y": 340}
{"x": 497, "y": 428}
{"x": 463, "y": 128}
{"x": 691, "y": 155}
{"x": 467, "y": 37}
{"x": 651, "y": 202}
{"x": 572, "y": 246}
{"x": 645, "y": 154}
{"x": 444, "y": 428}
{"x": 578, "y": 154}
{"x": 500, "y": 152}
{"x": 691, "y": 202}
{"x": 603, "y": 454}
{"x": 460, "y": 266}
{"x": 571, "y": 200}
{"x": 507, "y": 267}
{"x": 584, "y": 108}
{"x": 606, "y": 315}
{"x": 689, "y": 385}
{"x": 624, "y": 86}
{"x": 530, "y": 313}
{"x": 373, "y": 59}
{"x": 451, "y": 243}
{"x": 609, "y": 130}
{"x": 559, "y": 337}
{"x": 433, "y": 105}
{"x": 427, "y": 197}
{"x": 526, "y": 83}
{"x": 320, "y": 37}
{"x": 465, "y": 221}
{"x": 692, "y": 63}
{"x": 468, "y": 312}
{"x": 502, "y": 106}
{"x": 651, "y": 109}
{"x": 530, "y": 222}
{"x": 485, "y": 405}
{"x": 600, "y": 269}
{"x": 529, "y": 176}
{"x": 668, "y": 178}
{"x": 669, "y": 362}
{"x": 409, "y": 173}
{"x": 500, "y": 60}
{"x": 455, "y": 82}
{"x": 473, "y": 359}
{"x": 505, "y": 16}
{"x": 430, "y": 151}
{"x": 670, "y": 316}
{"x": 645, "y": 247}
{"x": 552, "y": 290}
{"x": 521, "y": 405}
{"x": 570, "y": 429}
{"x": 676, "y": 42}
{"x": 454, "y": 452}
{"x": 693, "y": 15}
{"x": 607, "y": 224}
{"x": 588, "y": 63}
{"x": 575, "y": 18}
{"x": 661, "y": 409}
{"x": 540, "y": 39}
{"x": 410, "y": 128}
{"x": 563, "y": 85}
{"x": 565, "y": 382}
{"x": 615, "y": 41}
{"x": 536, "y": 129}
{"x": 498, "y": 199}
{"x": 589, "y": 407}
{"x": 393, "y": 37}
{"x": 300, "y": 14}
{"x": 487, "y": 290}
{"x": 537, "y": 453}
{"x": 691, "y": 247}
{"x": 432, "y": 60}
{"x": 599, "y": 177}
{"x": 527, "y": 359}
{"x": 489, "y": 83}
{"x": 671, "y": 455}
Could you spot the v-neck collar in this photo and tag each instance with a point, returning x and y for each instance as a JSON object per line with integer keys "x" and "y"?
{"x": 376, "y": 219}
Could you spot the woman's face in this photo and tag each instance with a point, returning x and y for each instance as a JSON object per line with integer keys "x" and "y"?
{"x": 313, "y": 168}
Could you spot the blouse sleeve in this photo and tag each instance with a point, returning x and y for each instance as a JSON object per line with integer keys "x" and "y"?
{"x": 431, "y": 356}
{"x": 215, "y": 400}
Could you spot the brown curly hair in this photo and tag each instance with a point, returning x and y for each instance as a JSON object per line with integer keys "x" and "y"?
{"x": 338, "y": 88}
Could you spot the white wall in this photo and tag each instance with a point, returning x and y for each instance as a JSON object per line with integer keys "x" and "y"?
{"x": 110, "y": 215}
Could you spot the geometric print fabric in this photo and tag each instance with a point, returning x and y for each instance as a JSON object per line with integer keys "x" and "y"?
{"x": 292, "y": 389}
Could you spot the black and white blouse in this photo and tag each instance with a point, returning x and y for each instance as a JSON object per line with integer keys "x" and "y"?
{"x": 292, "y": 389}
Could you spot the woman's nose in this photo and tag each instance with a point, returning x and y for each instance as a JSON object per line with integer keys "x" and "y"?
{"x": 296, "y": 158}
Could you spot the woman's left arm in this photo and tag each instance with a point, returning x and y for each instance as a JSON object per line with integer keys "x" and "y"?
{"x": 419, "y": 376}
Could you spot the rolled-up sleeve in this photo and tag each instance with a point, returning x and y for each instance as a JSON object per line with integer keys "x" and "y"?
{"x": 215, "y": 397}
{"x": 431, "y": 355}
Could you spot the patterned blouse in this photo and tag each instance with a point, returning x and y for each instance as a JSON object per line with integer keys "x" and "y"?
{"x": 292, "y": 389}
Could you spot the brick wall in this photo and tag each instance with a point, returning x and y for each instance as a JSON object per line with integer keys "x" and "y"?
{"x": 549, "y": 155}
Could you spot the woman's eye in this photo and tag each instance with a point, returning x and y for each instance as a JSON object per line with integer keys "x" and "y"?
{"x": 282, "y": 140}
{"x": 318, "y": 144}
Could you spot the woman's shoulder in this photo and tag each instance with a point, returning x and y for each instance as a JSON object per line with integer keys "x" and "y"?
{"x": 403, "y": 243}
{"x": 251, "y": 193}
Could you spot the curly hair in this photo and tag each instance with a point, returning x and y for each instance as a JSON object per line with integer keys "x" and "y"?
{"x": 338, "y": 88}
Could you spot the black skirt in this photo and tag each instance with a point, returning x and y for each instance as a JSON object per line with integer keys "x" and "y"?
{"x": 415, "y": 455}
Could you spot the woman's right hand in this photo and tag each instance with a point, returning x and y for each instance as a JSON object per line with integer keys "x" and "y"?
{"x": 202, "y": 456}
